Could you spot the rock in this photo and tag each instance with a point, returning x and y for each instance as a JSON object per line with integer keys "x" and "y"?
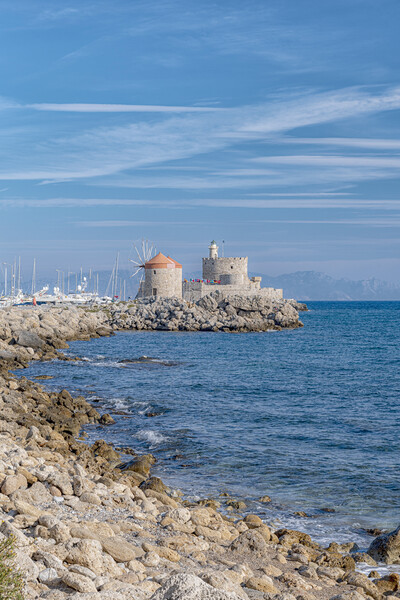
{"x": 180, "y": 515}
{"x": 253, "y": 521}
{"x": 220, "y": 581}
{"x": 120, "y": 549}
{"x": 87, "y": 553}
{"x": 83, "y": 533}
{"x": 8, "y": 530}
{"x": 29, "y": 568}
{"x": 48, "y": 576}
{"x": 262, "y": 584}
{"x": 59, "y": 533}
{"x": 24, "y": 508}
{"x": 249, "y": 541}
{"x": 389, "y": 583}
{"x": 106, "y": 419}
{"x": 90, "y": 498}
{"x": 13, "y": 483}
{"x": 61, "y": 481}
{"x": 360, "y": 580}
{"x": 386, "y": 547}
{"x": 351, "y": 595}
{"x": 186, "y": 586}
{"x": 28, "y": 339}
{"x": 78, "y": 582}
{"x": 155, "y": 484}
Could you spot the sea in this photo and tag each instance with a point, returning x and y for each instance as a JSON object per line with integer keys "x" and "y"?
{"x": 309, "y": 417}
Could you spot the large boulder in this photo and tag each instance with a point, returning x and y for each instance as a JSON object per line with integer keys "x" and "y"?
{"x": 28, "y": 339}
{"x": 190, "y": 587}
{"x": 386, "y": 547}
{"x": 250, "y": 541}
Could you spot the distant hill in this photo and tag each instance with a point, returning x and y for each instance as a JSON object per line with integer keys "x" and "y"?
{"x": 312, "y": 285}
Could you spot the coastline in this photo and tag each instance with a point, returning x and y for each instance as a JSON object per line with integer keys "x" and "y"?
{"x": 235, "y": 556}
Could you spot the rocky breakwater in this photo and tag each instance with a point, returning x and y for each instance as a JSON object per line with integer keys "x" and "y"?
{"x": 38, "y": 332}
{"x": 211, "y": 313}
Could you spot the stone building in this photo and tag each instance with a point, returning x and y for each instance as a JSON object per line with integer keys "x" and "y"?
{"x": 229, "y": 276}
{"x": 162, "y": 278}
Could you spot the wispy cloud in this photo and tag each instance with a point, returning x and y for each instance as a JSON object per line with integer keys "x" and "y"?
{"x": 380, "y": 162}
{"x": 117, "y": 108}
{"x": 107, "y": 151}
{"x": 367, "y": 143}
{"x": 127, "y": 223}
{"x": 275, "y": 201}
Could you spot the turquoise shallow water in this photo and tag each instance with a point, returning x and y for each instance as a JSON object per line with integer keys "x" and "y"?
{"x": 310, "y": 417}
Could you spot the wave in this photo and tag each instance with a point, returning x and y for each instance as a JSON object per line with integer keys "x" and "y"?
{"x": 154, "y": 438}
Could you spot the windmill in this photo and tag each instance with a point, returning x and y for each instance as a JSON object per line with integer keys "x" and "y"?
{"x": 144, "y": 251}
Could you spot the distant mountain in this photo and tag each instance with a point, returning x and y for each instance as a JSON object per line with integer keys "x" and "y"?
{"x": 312, "y": 285}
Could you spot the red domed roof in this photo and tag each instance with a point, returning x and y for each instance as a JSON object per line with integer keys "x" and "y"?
{"x": 160, "y": 261}
{"x": 177, "y": 265}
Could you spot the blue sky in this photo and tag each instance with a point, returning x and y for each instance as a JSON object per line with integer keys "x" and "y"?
{"x": 273, "y": 125}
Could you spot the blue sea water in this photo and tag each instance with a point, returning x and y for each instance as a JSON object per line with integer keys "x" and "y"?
{"x": 309, "y": 417}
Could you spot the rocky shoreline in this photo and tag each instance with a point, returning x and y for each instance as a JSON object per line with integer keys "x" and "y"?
{"x": 85, "y": 529}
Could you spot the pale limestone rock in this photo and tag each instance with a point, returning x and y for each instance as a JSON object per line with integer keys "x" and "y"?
{"x": 272, "y": 571}
{"x": 24, "y": 508}
{"x": 48, "y": 576}
{"x": 78, "y": 582}
{"x": 59, "y": 533}
{"x": 90, "y": 498}
{"x": 12, "y": 483}
{"x": 61, "y": 481}
{"x": 87, "y": 553}
{"x": 261, "y": 584}
{"x": 48, "y": 520}
{"x": 82, "y": 571}
{"x": 84, "y": 533}
{"x": 150, "y": 559}
{"x": 331, "y": 572}
{"x": 250, "y": 541}
{"x": 201, "y": 516}
{"x": 7, "y": 529}
{"x": 29, "y": 568}
{"x": 219, "y": 581}
{"x": 360, "y": 580}
{"x": 180, "y": 515}
{"x": 190, "y": 587}
{"x": 136, "y": 566}
{"x": 119, "y": 549}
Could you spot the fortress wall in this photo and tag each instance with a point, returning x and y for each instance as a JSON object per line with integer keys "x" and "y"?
{"x": 164, "y": 283}
{"x": 214, "y": 268}
{"x": 194, "y": 290}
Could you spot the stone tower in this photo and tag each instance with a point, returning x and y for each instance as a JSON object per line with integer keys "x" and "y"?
{"x": 163, "y": 277}
{"x": 227, "y": 270}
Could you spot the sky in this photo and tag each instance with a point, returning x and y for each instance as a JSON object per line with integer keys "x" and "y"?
{"x": 273, "y": 125}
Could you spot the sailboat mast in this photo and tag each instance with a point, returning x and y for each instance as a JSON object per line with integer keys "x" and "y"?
{"x": 116, "y": 274}
{"x": 33, "y": 277}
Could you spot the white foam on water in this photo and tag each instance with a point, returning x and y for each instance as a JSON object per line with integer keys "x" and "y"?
{"x": 120, "y": 403}
{"x": 145, "y": 409}
{"x": 382, "y": 569}
{"x": 153, "y": 437}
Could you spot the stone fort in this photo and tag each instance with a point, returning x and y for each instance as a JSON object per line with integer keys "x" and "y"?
{"x": 227, "y": 275}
